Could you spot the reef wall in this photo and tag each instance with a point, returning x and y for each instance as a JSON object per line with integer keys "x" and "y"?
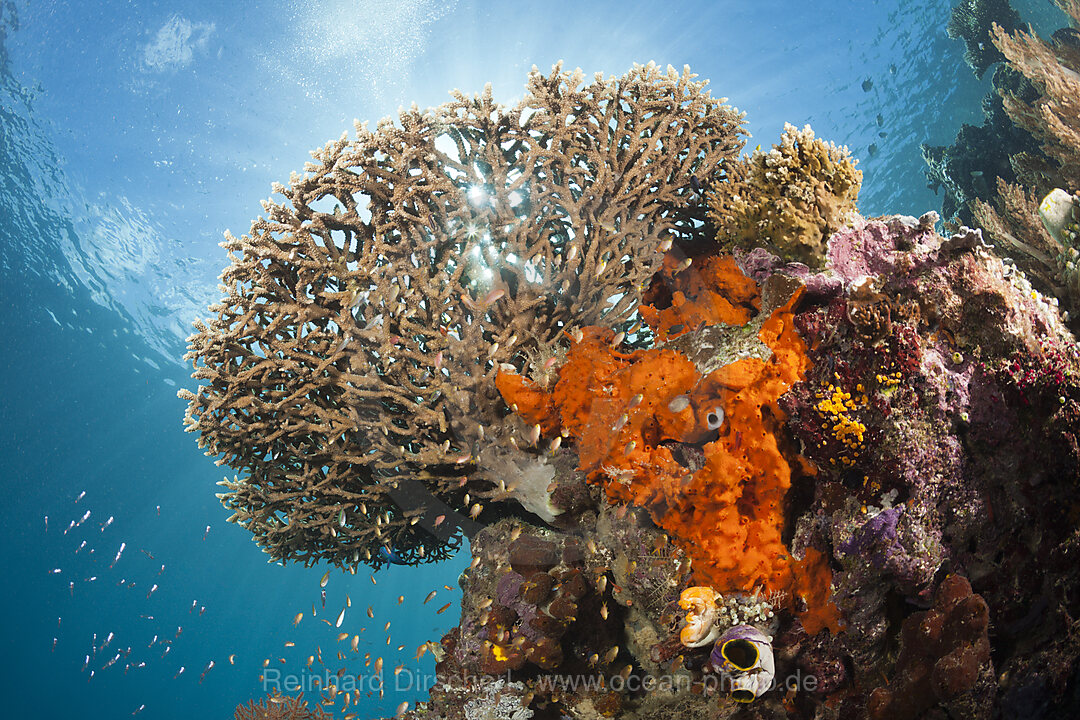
{"x": 724, "y": 447}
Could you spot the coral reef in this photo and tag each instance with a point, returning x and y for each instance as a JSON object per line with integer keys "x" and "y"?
{"x": 621, "y": 409}
{"x": 1052, "y": 118}
{"x": 933, "y": 389}
{"x": 498, "y": 701}
{"x": 1049, "y": 112}
{"x": 996, "y": 175}
{"x": 789, "y": 199}
{"x": 348, "y": 374}
{"x": 844, "y": 459}
{"x": 981, "y": 156}
{"x": 475, "y": 699}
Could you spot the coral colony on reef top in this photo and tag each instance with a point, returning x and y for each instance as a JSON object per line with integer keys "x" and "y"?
{"x": 723, "y": 447}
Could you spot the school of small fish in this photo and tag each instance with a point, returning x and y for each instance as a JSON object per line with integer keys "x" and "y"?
{"x": 102, "y": 657}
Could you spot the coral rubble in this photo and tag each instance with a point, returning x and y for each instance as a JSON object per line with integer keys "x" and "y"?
{"x": 280, "y": 707}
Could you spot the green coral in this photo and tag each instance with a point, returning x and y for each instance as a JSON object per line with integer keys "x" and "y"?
{"x": 789, "y": 199}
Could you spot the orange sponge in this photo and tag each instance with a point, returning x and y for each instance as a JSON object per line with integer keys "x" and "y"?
{"x": 711, "y": 290}
{"x": 623, "y": 410}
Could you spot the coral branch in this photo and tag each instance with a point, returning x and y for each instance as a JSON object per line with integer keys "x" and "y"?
{"x": 366, "y": 315}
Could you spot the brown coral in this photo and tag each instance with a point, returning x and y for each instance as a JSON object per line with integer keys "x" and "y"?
{"x": 530, "y": 614}
{"x": 1054, "y": 118}
{"x": 789, "y": 199}
{"x": 365, "y": 316}
{"x": 279, "y": 707}
{"x": 943, "y": 652}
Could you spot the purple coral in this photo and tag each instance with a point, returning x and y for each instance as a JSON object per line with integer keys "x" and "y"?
{"x": 879, "y": 543}
{"x": 881, "y": 248}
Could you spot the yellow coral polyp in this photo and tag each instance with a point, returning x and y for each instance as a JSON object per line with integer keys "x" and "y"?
{"x": 887, "y": 382}
{"x": 836, "y": 405}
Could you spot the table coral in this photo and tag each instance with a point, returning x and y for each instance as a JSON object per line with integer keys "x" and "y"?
{"x": 347, "y": 372}
{"x": 794, "y": 441}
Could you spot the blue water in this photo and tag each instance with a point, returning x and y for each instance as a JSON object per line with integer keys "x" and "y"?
{"x": 134, "y": 133}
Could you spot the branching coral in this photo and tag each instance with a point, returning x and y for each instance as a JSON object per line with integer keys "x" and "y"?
{"x": 365, "y": 316}
{"x": 366, "y": 366}
{"x": 279, "y": 707}
{"x": 789, "y": 199}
